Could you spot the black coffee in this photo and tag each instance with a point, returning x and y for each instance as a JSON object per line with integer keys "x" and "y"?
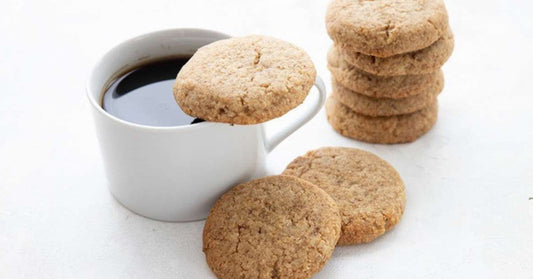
{"x": 144, "y": 95}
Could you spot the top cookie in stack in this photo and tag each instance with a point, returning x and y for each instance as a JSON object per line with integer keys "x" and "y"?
{"x": 385, "y": 64}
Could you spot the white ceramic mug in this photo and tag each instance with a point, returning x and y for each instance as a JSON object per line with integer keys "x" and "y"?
{"x": 176, "y": 173}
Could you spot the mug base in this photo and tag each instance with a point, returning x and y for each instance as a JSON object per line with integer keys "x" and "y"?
{"x": 167, "y": 220}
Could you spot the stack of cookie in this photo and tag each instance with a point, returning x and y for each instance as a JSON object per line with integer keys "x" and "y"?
{"x": 385, "y": 65}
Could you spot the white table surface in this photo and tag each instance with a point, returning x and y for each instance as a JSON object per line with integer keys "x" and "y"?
{"x": 468, "y": 180}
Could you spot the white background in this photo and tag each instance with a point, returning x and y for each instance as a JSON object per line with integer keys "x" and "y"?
{"x": 468, "y": 180}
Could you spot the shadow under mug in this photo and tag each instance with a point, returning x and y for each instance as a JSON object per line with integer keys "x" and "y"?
{"x": 177, "y": 173}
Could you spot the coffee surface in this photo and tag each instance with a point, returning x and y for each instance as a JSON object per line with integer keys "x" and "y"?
{"x": 144, "y": 95}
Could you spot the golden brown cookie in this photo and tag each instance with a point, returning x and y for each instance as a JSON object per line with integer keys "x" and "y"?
{"x": 245, "y": 80}
{"x": 379, "y": 86}
{"x": 382, "y": 129}
{"x": 369, "y": 192}
{"x": 424, "y": 61}
{"x": 273, "y": 227}
{"x": 370, "y": 106}
{"x": 384, "y": 28}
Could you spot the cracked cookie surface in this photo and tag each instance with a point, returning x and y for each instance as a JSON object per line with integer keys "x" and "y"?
{"x": 384, "y": 28}
{"x": 381, "y": 129}
{"x": 273, "y": 227}
{"x": 244, "y": 80}
{"x": 369, "y": 192}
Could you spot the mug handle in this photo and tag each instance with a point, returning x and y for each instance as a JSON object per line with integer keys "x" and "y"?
{"x": 273, "y": 141}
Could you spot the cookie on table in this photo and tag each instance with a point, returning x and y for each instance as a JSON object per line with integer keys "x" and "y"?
{"x": 383, "y": 129}
{"x": 418, "y": 62}
{"x": 273, "y": 227}
{"x": 369, "y": 192}
{"x": 384, "y": 28}
{"x": 375, "y": 86}
{"x": 370, "y": 106}
{"x": 245, "y": 80}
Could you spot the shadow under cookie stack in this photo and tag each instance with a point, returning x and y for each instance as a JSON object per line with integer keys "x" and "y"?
{"x": 385, "y": 67}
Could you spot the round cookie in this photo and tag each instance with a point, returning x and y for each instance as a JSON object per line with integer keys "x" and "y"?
{"x": 371, "y": 85}
{"x": 369, "y": 192}
{"x": 384, "y": 28}
{"x": 383, "y": 129}
{"x": 370, "y": 106}
{"x": 418, "y": 62}
{"x": 273, "y": 227}
{"x": 245, "y": 80}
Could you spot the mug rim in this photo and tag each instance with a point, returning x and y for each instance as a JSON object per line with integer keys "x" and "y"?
{"x": 104, "y": 113}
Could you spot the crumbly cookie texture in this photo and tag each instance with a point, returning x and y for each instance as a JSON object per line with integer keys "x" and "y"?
{"x": 273, "y": 227}
{"x": 369, "y": 192}
{"x": 384, "y": 28}
{"x": 384, "y": 129}
{"x": 245, "y": 80}
{"x": 418, "y": 62}
{"x": 370, "y": 106}
{"x": 375, "y": 86}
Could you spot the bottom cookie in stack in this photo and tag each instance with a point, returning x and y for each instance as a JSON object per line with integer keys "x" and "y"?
{"x": 380, "y": 129}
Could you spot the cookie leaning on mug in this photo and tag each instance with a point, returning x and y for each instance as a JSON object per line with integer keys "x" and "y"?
{"x": 272, "y": 227}
{"x": 369, "y": 192}
{"x": 244, "y": 80}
